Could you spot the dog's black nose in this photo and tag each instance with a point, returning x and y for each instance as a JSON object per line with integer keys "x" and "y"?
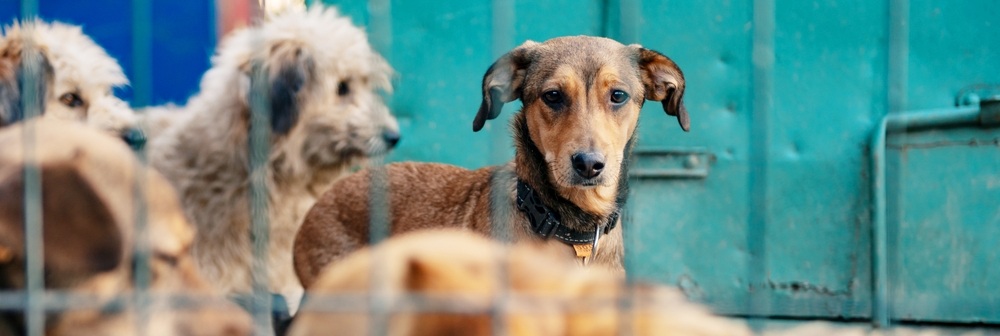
{"x": 135, "y": 138}
{"x": 391, "y": 138}
{"x": 588, "y": 165}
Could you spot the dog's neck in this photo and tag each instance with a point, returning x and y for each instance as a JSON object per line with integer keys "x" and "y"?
{"x": 532, "y": 169}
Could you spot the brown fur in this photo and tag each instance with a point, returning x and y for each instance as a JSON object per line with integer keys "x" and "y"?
{"x": 585, "y": 70}
{"x": 533, "y": 293}
{"x": 88, "y": 185}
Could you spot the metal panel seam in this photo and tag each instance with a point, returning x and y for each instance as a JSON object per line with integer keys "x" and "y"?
{"x": 763, "y": 90}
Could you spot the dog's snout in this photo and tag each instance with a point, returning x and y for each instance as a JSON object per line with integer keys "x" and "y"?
{"x": 135, "y": 138}
{"x": 391, "y": 137}
{"x": 588, "y": 165}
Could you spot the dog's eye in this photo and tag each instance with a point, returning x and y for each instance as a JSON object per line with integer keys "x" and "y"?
{"x": 343, "y": 89}
{"x": 71, "y": 100}
{"x": 552, "y": 97}
{"x": 619, "y": 97}
{"x": 169, "y": 259}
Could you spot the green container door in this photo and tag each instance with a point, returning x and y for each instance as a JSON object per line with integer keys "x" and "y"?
{"x": 764, "y": 208}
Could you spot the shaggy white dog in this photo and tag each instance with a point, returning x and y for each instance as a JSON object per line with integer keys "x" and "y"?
{"x": 320, "y": 82}
{"x": 75, "y": 78}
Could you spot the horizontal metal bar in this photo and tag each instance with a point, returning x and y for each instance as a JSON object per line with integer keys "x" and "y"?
{"x": 458, "y": 302}
{"x": 671, "y": 163}
{"x": 56, "y": 301}
{"x": 932, "y": 118}
{"x": 668, "y": 173}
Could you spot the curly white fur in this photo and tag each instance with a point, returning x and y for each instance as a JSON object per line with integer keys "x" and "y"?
{"x": 337, "y": 119}
{"x": 80, "y": 69}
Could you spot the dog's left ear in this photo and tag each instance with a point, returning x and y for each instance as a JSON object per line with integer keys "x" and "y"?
{"x": 289, "y": 68}
{"x": 664, "y": 82}
{"x": 502, "y": 82}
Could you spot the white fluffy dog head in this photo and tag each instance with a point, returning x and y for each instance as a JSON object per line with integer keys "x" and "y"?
{"x": 78, "y": 82}
{"x": 322, "y": 87}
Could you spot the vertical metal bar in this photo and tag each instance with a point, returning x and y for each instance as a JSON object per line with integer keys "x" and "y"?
{"x": 142, "y": 51}
{"x": 33, "y": 244}
{"x": 897, "y": 72}
{"x": 899, "y": 48}
{"x": 378, "y": 230}
{"x": 502, "y": 29}
{"x": 880, "y": 316}
{"x": 141, "y": 86}
{"x": 380, "y": 27}
{"x": 503, "y": 40}
{"x": 259, "y": 148}
{"x": 763, "y": 105}
{"x": 29, "y": 9}
{"x": 629, "y": 12}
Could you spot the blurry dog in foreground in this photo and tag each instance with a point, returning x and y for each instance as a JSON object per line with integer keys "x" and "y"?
{"x": 317, "y": 75}
{"x": 70, "y": 77}
{"x": 461, "y": 277}
{"x": 89, "y": 185}
{"x": 450, "y": 282}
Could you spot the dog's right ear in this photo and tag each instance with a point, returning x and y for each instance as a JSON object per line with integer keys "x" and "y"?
{"x": 79, "y": 233}
{"x": 25, "y": 74}
{"x": 502, "y": 82}
{"x": 664, "y": 82}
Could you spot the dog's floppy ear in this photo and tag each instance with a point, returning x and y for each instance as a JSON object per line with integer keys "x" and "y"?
{"x": 25, "y": 74}
{"x": 502, "y": 82}
{"x": 79, "y": 233}
{"x": 289, "y": 68}
{"x": 664, "y": 82}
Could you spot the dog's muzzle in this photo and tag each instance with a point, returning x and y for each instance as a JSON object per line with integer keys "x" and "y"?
{"x": 135, "y": 138}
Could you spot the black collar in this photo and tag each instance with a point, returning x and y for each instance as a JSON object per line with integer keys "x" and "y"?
{"x": 545, "y": 222}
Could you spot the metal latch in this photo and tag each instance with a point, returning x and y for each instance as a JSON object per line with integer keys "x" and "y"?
{"x": 989, "y": 112}
{"x": 987, "y": 97}
{"x": 680, "y": 163}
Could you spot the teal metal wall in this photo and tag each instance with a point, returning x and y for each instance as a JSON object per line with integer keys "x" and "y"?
{"x": 766, "y": 207}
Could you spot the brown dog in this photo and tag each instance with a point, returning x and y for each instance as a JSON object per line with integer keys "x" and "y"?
{"x": 450, "y": 282}
{"x": 582, "y": 97}
{"x": 88, "y": 207}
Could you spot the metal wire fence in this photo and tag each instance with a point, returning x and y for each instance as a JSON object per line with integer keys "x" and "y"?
{"x": 36, "y": 302}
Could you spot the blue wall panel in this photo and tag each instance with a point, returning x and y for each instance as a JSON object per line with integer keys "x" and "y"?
{"x": 183, "y": 38}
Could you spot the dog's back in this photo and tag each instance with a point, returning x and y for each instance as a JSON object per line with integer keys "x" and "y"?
{"x": 446, "y": 196}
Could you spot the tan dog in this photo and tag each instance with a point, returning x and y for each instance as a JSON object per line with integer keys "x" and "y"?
{"x": 74, "y": 78}
{"x": 450, "y": 282}
{"x": 460, "y": 278}
{"x": 582, "y": 97}
{"x": 88, "y": 207}
{"x": 326, "y": 116}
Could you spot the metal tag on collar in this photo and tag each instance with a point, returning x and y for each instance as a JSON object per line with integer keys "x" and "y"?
{"x": 593, "y": 248}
